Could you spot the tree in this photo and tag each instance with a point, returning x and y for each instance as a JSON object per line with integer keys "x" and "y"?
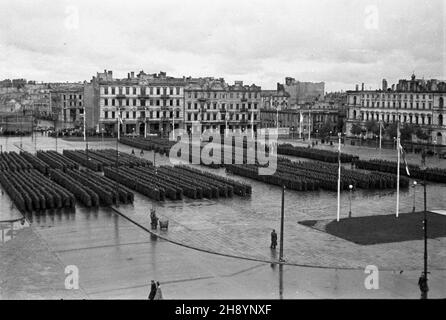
{"x": 391, "y": 130}
{"x": 372, "y": 126}
{"x": 406, "y": 132}
{"x": 356, "y": 129}
{"x": 324, "y": 131}
{"x": 421, "y": 134}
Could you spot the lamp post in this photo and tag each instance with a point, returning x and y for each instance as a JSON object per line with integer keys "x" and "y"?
{"x": 414, "y": 186}
{"x": 350, "y": 187}
{"x": 422, "y": 281}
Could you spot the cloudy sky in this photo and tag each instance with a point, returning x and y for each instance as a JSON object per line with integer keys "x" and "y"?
{"x": 341, "y": 42}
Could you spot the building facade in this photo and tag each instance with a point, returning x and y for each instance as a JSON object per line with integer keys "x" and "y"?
{"x": 416, "y": 101}
{"x": 147, "y": 103}
{"x": 302, "y": 120}
{"x": 275, "y": 99}
{"x": 218, "y": 105}
{"x": 302, "y": 92}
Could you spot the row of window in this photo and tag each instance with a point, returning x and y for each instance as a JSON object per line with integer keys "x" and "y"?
{"x": 214, "y": 106}
{"x": 72, "y": 104}
{"x": 142, "y": 90}
{"x": 142, "y": 114}
{"x": 219, "y": 95}
{"x": 213, "y": 116}
{"x": 133, "y": 102}
{"x": 394, "y": 104}
{"x": 395, "y": 96}
{"x": 392, "y": 118}
{"x": 72, "y": 96}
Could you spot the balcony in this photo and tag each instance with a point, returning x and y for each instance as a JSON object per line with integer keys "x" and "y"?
{"x": 120, "y": 96}
{"x": 244, "y": 99}
{"x": 165, "y": 96}
{"x": 243, "y": 109}
{"x": 143, "y": 96}
{"x": 202, "y": 99}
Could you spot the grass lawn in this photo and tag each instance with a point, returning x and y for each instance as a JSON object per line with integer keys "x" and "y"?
{"x": 382, "y": 228}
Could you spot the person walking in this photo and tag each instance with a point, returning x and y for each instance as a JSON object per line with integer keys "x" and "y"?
{"x": 141, "y": 153}
{"x": 273, "y": 239}
{"x": 159, "y": 293}
{"x": 133, "y": 152}
{"x": 152, "y": 290}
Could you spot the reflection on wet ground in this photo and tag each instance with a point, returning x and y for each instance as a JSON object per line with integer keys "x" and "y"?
{"x": 119, "y": 259}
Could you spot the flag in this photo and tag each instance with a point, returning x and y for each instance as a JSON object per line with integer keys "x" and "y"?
{"x": 403, "y": 154}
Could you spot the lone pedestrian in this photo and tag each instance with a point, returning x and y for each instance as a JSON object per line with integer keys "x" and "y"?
{"x": 133, "y": 152}
{"x": 159, "y": 293}
{"x": 152, "y": 290}
{"x": 141, "y": 153}
{"x": 273, "y": 239}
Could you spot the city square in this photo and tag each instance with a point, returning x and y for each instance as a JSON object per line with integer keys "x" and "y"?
{"x": 286, "y": 180}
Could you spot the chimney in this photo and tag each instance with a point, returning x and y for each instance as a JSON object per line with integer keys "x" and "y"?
{"x": 132, "y": 74}
{"x": 362, "y": 86}
{"x": 357, "y": 87}
{"x": 128, "y": 75}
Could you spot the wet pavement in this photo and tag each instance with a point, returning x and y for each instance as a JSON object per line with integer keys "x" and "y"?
{"x": 119, "y": 259}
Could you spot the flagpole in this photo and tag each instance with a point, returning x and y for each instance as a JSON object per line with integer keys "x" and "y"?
{"x": 300, "y": 125}
{"x": 173, "y": 125}
{"x": 398, "y": 167}
{"x": 380, "y": 126}
{"x": 339, "y": 177}
{"x": 309, "y": 127}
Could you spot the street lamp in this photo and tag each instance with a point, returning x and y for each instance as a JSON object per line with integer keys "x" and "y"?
{"x": 422, "y": 281}
{"x": 414, "y": 186}
{"x": 350, "y": 187}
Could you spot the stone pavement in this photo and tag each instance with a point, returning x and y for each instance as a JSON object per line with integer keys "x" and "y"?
{"x": 109, "y": 251}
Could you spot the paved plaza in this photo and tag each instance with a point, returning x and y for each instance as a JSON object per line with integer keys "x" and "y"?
{"x": 214, "y": 248}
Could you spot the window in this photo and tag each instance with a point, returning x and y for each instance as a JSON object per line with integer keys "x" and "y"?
{"x": 134, "y": 114}
{"x": 127, "y": 115}
{"x": 171, "y": 90}
{"x": 134, "y": 102}
{"x": 113, "y": 90}
{"x": 158, "y": 91}
{"x": 178, "y": 90}
{"x": 113, "y": 114}
{"x": 127, "y": 90}
{"x": 157, "y": 102}
{"x": 127, "y": 102}
{"x": 105, "y": 102}
{"x": 113, "y": 102}
{"x": 106, "y": 114}
{"x": 134, "y": 90}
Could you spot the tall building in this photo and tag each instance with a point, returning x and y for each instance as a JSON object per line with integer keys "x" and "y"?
{"x": 416, "y": 101}
{"x": 218, "y": 105}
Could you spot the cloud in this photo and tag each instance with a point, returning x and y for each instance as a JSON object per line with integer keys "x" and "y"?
{"x": 256, "y": 41}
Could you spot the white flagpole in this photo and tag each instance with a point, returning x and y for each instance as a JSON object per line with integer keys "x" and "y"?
{"x": 380, "y": 126}
{"x": 252, "y": 123}
{"x": 173, "y": 125}
{"x": 85, "y": 126}
{"x": 119, "y": 120}
{"x": 398, "y": 169}
{"x": 309, "y": 126}
{"x": 300, "y": 125}
{"x": 339, "y": 177}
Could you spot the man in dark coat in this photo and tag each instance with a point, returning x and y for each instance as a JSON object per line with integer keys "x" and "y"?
{"x": 152, "y": 290}
{"x": 273, "y": 239}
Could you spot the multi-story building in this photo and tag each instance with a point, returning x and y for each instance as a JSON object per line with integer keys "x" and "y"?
{"x": 148, "y": 103}
{"x": 302, "y": 92}
{"x": 275, "y": 99}
{"x": 68, "y": 103}
{"x": 309, "y": 117}
{"x": 218, "y": 105}
{"x": 415, "y": 101}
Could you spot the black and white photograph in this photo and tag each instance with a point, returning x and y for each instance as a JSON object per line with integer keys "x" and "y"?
{"x": 243, "y": 150}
